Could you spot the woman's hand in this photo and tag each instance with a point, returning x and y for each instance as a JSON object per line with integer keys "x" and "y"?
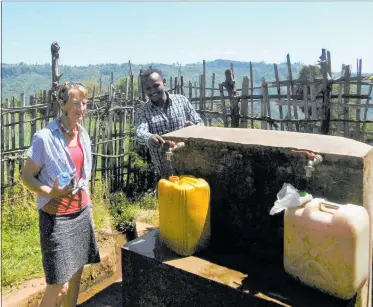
{"x": 28, "y": 176}
{"x": 57, "y": 192}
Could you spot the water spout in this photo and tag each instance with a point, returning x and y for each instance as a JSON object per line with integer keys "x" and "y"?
{"x": 171, "y": 151}
{"x": 313, "y": 160}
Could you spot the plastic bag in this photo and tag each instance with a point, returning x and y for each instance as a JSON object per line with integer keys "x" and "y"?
{"x": 288, "y": 197}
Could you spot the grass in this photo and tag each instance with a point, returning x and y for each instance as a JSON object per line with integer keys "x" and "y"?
{"x": 127, "y": 212}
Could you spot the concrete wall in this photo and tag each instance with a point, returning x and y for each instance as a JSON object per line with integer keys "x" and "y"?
{"x": 246, "y": 168}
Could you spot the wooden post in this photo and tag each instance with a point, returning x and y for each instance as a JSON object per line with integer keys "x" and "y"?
{"x": 195, "y": 95}
{"x": 204, "y": 85}
{"x": 139, "y": 84}
{"x": 313, "y": 100}
{"x": 292, "y": 88}
{"x": 251, "y": 94}
{"x": 55, "y": 48}
{"x": 7, "y": 122}
{"x": 33, "y": 115}
{"x": 265, "y": 109}
{"x": 325, "y": 109}
{"x": 279, "y": 96}
{"x": 201, "y": 89}
{"x": 11, "y": 163}
{"x": 121, "y": 149}
{"x": 182, "y": 85}
{"x": 91, "y": 114}
{"x": 176, "y": 86}
{"x": 329, "y": 63}
{"x": 43, "y": 113}
{"x": 171, "y": 85}
{"x": 131, "y": 86}
{"x": 94, "y": 150}
{"x": 366, "y": 112}
{"x": 340, "y": 103}
{"x": 126, "y": 86}
{"x": 358, "y": 135}
{"x": 290, "y": 126}
{"x": 223, "y": 107}
{"x": 305, "y": 99}
{"x": 2, "y": 150}
{"x": 100, "y": 85}
{"x": 190, "y": 92}
{"x": 21, "y": 125}
{"x": 346, "y": 110}
{"x": 244, "y": 102}
{"x": 212, "y": 92}
{"x": 13, "y": 126}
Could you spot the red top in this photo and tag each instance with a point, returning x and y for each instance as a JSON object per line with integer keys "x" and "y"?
{"x": 71, "y": 203}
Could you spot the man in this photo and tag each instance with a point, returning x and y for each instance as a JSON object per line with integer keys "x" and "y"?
{"x": 163, "y": 113}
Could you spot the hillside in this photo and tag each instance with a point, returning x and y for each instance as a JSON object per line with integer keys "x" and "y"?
{"x": 33, "y": 78}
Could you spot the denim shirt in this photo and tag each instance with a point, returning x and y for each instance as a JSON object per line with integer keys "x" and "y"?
{"x": 49, "y": 151}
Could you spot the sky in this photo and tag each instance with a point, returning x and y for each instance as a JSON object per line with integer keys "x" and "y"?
{"x": 187, "y": 32}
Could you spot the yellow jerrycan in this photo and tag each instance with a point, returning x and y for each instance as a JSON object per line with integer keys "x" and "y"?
{"x": 184, "y": 213}
{"x": 326, "y": 246}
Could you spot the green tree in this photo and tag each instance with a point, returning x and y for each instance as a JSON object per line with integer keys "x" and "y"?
{"x": 90, "y": 85}
{"x": 121, "y": 84}
{"x": 305, "y": 73}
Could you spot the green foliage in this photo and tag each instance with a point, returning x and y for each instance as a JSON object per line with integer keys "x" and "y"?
{"x": 90, "y": 85}
{"x": 137, "y": 161}
{"x": 123, "y": 211}
{"x": 121, "y": 85}
{"x": 305, "y": 72}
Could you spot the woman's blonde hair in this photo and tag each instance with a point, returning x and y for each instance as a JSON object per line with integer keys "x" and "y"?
{"x": 68, "y": 90}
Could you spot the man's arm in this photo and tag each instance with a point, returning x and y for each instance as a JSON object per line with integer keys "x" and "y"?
{"x": 142, "y": 127}
{"x": 191, "y": 113}
{"x": 143, "y": 135}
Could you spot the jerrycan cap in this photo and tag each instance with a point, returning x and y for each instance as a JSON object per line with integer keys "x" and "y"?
{"x": 173, "y": 179}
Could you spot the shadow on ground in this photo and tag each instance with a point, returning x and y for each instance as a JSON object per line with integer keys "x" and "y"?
{"x": 109, "y": 297}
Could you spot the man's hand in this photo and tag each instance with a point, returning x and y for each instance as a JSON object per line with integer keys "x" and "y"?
{"x": 155, "y": 141}
{"x": 171, "y": 144}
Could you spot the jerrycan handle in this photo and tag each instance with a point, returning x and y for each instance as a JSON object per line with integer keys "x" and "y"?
{"x": 328, "y": 206}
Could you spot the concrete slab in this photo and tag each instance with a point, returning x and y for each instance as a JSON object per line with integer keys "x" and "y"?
{"x": 155, "y": 276}
{"x": 271, "y": 138}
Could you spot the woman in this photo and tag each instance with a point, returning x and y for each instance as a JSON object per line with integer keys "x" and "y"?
{"x": 67, "y": 235}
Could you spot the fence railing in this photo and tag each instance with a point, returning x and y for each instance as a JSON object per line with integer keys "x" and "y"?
{"x": 311, "y": 104}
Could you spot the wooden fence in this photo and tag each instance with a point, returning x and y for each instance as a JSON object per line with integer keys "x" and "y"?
{"x": 311, "y": 105}
{"x": 339, "y": 106}
{"x": 109, "y": 121}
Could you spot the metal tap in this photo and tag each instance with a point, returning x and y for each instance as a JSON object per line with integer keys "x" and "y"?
{"x": 313, "y": 160}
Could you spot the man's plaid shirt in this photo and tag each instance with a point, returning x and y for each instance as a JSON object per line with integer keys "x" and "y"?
{"x": 151, "y": 119}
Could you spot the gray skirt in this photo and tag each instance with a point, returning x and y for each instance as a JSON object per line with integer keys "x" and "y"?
{"x": 68, "y": 242}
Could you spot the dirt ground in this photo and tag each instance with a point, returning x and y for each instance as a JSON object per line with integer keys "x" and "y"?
{"x": 105, "y": 293}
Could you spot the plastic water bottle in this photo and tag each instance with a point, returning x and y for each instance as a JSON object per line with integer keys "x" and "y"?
{"x": 64, "y": 179}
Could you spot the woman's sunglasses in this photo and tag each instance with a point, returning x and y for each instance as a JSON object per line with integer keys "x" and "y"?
{"x": 63, "y": 94}
{"x": 74, "y": 84}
